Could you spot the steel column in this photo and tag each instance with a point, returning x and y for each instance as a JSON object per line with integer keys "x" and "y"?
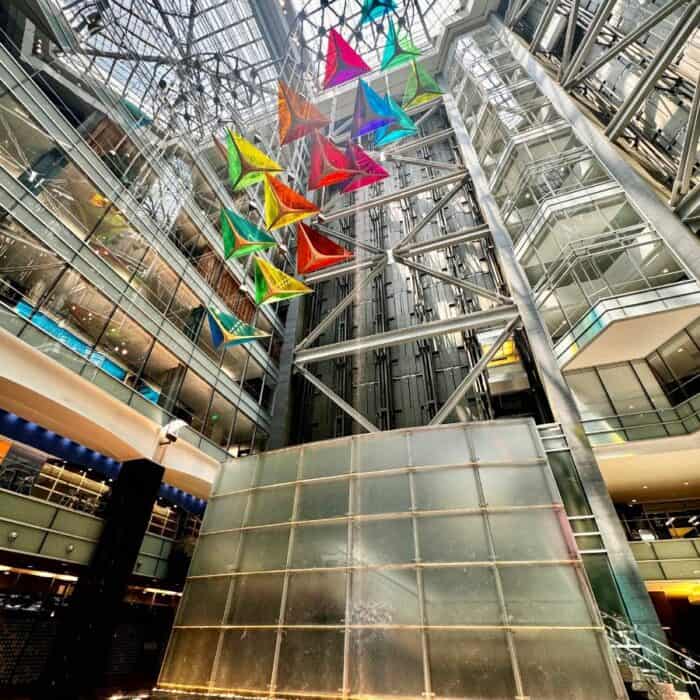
{"x": 557, "y": 390}
{"x": 668, "y": 51}
{"x": 690, "y": 150}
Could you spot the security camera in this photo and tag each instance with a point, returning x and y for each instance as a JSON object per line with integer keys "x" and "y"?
{"x": 169, "y": 432}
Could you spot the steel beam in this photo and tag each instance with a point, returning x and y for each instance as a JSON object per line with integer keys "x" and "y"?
{"x": 430, "y": 215}
{"x": 419, "y": 143}
{"x": 423, "y": 117}
{"x": 543, "y": 24}
{"x": 465, "y": 235}
{"x": 690, "y": 150}
{"x": 569, "y": 38}
{"x": 393, "y": 196}
{"x": 341, "y": 306}
{"x": 517, "y": 16}
{"x": 337, "y": 400}
{"x": 424, "y": 163}
{"x": 340, "y": 270}
{"x": 463, "y": 284}
{"x": 597, "y": 23}
{"x": 349, "y": 239}
{"x": 432, "y": 329}
{"x": 621, "y": 45}
{"x": 473, "y": 375}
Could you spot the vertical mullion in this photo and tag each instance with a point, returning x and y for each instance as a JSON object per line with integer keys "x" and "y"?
{"x": 352, "y": 503}
{"x": 285, "y": 584}
{"x": 505, "y": 619}
{"x": 233, "y": 579}
{"x": 427, "y": 682}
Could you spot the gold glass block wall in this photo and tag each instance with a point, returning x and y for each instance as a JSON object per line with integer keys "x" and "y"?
{"x": 429, "y": 561}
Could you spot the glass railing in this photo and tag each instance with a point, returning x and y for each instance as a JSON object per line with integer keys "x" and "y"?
{"x": 682, "y": 419}
{"x": 72, "y": 360}
{"x": 624, "y": 306}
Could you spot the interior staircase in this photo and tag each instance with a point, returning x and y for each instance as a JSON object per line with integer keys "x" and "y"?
{"x": 650, "y": 669}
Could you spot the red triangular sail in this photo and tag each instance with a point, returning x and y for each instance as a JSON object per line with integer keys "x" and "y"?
{"x": 329, "y": 165}
{"x": 316, "y": 251}
{"x": 343, "y": 63}
{"x": 369, "y": 171}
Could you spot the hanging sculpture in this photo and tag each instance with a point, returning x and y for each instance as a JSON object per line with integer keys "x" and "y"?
{"x": 420, "y": 87}
{"x": 343, "y": 63}
{"x": 246, "y": 163}
{"x": 284, "y": 206}
{"x": 316, "y": 251}
{"x": 399, "y": 49}
{"x": 371, "y": 111}
{"x": 373, "y": 10}
{"x": 271, "y": 284}
{"x": 241, "y": 237}
{"x": 228, "y": 330}
{"x": 368, "y": 170}
{"x": 329, "y": 165}
{"x": 297, "y": 116}
{"x": 399, "y": 129}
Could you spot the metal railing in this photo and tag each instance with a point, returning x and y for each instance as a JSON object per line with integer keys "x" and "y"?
{"x": 656, "y": 661}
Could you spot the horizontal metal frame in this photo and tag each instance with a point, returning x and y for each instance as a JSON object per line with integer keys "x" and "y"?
{"x": 473, "y": 321}
{"x": 393, "y": 196}
{"x": 465, "y": 235}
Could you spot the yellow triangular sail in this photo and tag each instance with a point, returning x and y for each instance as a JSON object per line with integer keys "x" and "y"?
{"x": 271, "y": 284}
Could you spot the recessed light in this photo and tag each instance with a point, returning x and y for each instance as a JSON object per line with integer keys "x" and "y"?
{"x": 686, "y": 483}
{"x": 634, "y": 500}
{"x": 645, "y": 486}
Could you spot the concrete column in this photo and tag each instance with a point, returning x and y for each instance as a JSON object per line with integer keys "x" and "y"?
{"x": 79, "y": 655}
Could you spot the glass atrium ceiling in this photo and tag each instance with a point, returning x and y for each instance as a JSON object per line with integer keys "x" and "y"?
{"x": 194, "y": 66}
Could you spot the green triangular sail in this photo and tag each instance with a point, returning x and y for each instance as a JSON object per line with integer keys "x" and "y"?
{"x": 241, "y": 237}
{"x": 420, "y": 87}
{"x": 399, "y": 49}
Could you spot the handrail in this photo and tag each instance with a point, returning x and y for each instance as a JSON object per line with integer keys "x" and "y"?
{"x": 620, "y": 630}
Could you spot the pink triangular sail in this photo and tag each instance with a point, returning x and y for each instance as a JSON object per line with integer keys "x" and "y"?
{"x": 369, "y": 171}
{"x": 343, "y": 63}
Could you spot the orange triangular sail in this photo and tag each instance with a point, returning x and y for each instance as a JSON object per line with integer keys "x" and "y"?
{"x": 297, "y": 116}
{"x": 284, "y": 206}
{"x": 316, "y": 251}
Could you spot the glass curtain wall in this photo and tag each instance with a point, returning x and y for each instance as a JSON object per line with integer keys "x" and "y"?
{"x": 576, "y": 233}
{"x": 413, "y": 562}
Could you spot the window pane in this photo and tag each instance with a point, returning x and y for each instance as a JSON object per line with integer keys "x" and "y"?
{"x": 316, "y": 598}
{"x": 193, "y": 400}
{"x": 255, "y": 599}
{"x": 311, "y": 661}
{"x": 384, "y": 452}
{"x": 225, "y": 513}
{"x": 446, "y": 488}
{"x": 190, "y": 657}
{"x": 219, "y": 420}
{"x": 215, "y": 554}
{"x": 204, "y": 602}
{"x": 461, "y": 596}
{"x": 271, "y": 506}
{"x": 325, "y": 500}
{"x": 384, "y": 597}
{"x": 384, "y": 494}
{"x": 528, "y": 535}
{"x": 264, "y": 549}
{"x": 470, "y": 665}
{"x": 452, "y": 538}
{"x": 383, "y": 542}
{"x": 320, "y": 546}
{"x": 516, "y": 486}
{"x": 246, "y": 659}
{"x": 444, "y": 446}
{"x": 328, "y": 459}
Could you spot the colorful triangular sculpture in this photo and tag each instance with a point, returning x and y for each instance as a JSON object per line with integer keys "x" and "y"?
{"x": 371, "y": 111}
{"x": 246, "y": 163}
{"x": 399, "y": 129}
{"x": 229, "y": 330}
{"x": 284, "y": 206}
{"x": 241, "y": 237}
{"x": 343, "y": 63}
{"x": 329, "y": 165}
{"x": 316, "y": 251}
{"x": 273, "y": 285}
{"x": 369, "y": 171}
{"x": 420, "y": 88}
{"x": 376, "y": 9}
{"x": 297, "y": 116}
{"x": 399, "y": 49}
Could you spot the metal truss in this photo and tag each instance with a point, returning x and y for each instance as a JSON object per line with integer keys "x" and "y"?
{"x": 371, "y": 262}
{"x": 579, "y": 76}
